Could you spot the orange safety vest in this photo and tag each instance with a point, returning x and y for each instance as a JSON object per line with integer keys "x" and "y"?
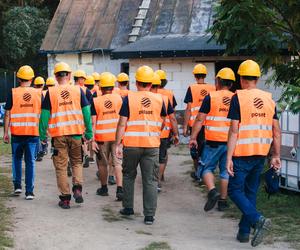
{"x": 94, "y": 89}
{"x": 66, "y": 114}
{"x": 124, "y": 92}
{"x": 25, "y": 112}
{"x": 116, "y": 91}
{"x": 143, "y": 127}
{"x": 199, "y": 91}
{"x": 217, "y": 124}
{"x": 107, "y": 108}
{"x": 168, "y": 93}
{"x": 255, "y": 128}
{"x": 165, "y": 133}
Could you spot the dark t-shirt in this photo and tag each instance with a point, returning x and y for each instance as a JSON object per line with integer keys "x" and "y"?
{"x": 205, "y": 107}
{"x": 89, "y": 96}
{"x": 174, "y": 102}
{"x": 188, "y": 96}
{"x": 125, "y": 109}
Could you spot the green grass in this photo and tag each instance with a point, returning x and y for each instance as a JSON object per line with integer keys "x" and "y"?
{"x": 143, "y": 232}
{"x": 162, "y": 245}
{"x": 109, "y": 215}
{"x": 5, "y": 213}
{"x": 5, "y": 149}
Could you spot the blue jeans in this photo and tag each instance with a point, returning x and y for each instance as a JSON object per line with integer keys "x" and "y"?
{"x": 24, "y": 145}
{"x": 211, "y": 157}
{"x": 242, "y": 190}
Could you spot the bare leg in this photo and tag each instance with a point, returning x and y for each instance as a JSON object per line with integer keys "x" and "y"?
{"x": 223, "y": 188}
{"x": 209, "y": 181}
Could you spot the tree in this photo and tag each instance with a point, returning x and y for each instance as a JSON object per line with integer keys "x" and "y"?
{"x": 268, "y": 29}
{"x": 24, "y": 29}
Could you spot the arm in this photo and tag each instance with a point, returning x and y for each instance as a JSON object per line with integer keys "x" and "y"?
{"x": 196, "y": 129}
{"x": 43, "y": 125}
{"x": 232, "y": 139}
{"x": 119, "y": 135}
{"x": 86, "y": 111}
{"x": 275, "y": 161}
{"x": 174, "y": 125}
{"x": 6, "y": 126}
{"x": 187, "y": 115}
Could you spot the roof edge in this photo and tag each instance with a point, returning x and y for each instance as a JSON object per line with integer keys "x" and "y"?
{"x": 43, "y": 52}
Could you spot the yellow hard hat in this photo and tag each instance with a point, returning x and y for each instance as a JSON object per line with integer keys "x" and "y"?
{"x": 122, "y": 77}
{"x": 62, "y": 67}
{"x": 156, "y": 81}
{"x": 89, "y": 80}
{"x": 96, "y": 76}
{"x": 39, "y": 81}
{"x": 200, "y": 69}
{"x": 249, "y": 68}
{"x": 162, "y": 74}
{"x": 50, "y": 81}
{"x": 144, "y": 74}
{"x": 226, "y": 74}
{"x": 25, "y": 73}
{"x": 107, "y": 79}
{"x": 80, "y": 73}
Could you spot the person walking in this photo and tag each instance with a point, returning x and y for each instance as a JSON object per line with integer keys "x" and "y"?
{"x": 123, "y": 82}
{"x": 170, "y": 124}
{"x": 193, "y": 98}
{"x": 105, "y": 112}
{"x": 22, "y": 111}
{"x": 141, "y": 121}
{"x": 254, "y": 126}
{"x": 66, "y": 114}
{"x": 213, "y": 113}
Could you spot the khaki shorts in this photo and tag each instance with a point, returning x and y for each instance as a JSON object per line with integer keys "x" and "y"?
{"x": 107, "y": 150}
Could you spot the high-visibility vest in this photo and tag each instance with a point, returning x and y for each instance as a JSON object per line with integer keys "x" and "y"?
{"x": 168, "y": 93}
{"x": 116, "y": 91}
{"x": 94, "y": 89}
{"x": 255, "y": 128}
{"x": 107, "y": 109}
{"x": 25, "y": 112}
{"x": 143, "y": 127}
{"x": 199, "y": 91}
{"x": 124, "y": 92}
{"x": 165, "y": 133}
{"x": 217, "y": 124}
{"x": 66, "y": 113}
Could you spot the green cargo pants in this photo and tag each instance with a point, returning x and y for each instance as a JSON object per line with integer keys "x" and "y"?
{"x": 148, "y": 160}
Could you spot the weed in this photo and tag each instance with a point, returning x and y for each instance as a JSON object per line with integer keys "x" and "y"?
{"x": 143, "y": 232}
{"x": 162, "y": 245}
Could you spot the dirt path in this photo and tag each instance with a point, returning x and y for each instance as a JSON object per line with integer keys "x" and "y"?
{"x": 180, "y": 220}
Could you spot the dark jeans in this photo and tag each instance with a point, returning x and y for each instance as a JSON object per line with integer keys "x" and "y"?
{"x": 243, "y": 187}
{"x": 24, "y": 145}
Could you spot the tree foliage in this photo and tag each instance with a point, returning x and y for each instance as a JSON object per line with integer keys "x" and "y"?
{"x": 269, "y": 30}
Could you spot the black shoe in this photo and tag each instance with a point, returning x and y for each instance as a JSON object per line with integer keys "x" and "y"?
{"x": 69, "y": 170}
{"x": 103, "y": 191}
{"x": 212, "y": 198}
{"x": 111, "y": 180}
{"x": 64, "y": 202}
{"x": 260, "y": 229}
{"x": 29, "y": 196}
{"x": 86, "y": 162}
{"x": 77, "y": 193}
{"x": 243, "y": 238}
{"x": 194, "y": 176}
{"x": 39, "y": 158}
{"x": 127, "y": 211}
{"x": 119, "y": 194}
{"x": 148, "y": 220}
{"x": 222, "y": 205}
{"x": 91, "y": 160}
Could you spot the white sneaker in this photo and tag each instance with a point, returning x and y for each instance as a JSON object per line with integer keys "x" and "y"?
{"x": 29, "y": 197}
{"x": 17, "y": 192}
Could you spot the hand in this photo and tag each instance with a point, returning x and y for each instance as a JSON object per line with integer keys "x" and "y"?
{"x": 193, "y": 143}
{"x": 276, "y": 163}
{"x": 176, "y": 140}
{"x": 185, "y": 132}
{"x": 229, "y": 166}
{"x": 86, "y": 140}
{"x": 95, "y": 146}
{"x": 44, "y": 142}
{"x": 119, "y": 151}
{"x": 6, "y": 138}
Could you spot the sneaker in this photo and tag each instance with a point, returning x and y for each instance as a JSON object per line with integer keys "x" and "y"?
{"x": 77, "y": 193}
{"x": 111, "y": 180}
{"x": 222, "y": 205}
{"x": 127, "y": 211}
{"x": 29, "y": 196}
{"x": 91, "y": 160}
{"x": 86, "y": 163}
{"x": 212, "y": 198}
{"x": 148, "y": 220}
{"x": 64, "y": 204}
{"x": 69, "y": 170}
{"x": 103, "y": 191}
{"x": 119, "y": 194}
{"x": 39, "y": 158}
{"x": 242, "y": 238}
{"x": 260, "y": 229}
{"x": 17, "y": 192}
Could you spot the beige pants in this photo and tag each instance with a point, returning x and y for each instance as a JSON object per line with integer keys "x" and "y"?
{"x": 66, "y": 147}
{"x": 107, "y": 150}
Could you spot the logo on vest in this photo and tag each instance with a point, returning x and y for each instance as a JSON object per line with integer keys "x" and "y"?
{"x": 26, "y": 98}
{"x": 259, "y": 104}
{"x": 146, "y": 102}
{"x": 226, "y": 101}
{"x": 65, "y": 94}
{"x": 203, "y": 92}
{"x": 108, "y": 104}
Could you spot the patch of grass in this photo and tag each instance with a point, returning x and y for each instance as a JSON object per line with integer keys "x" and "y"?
{"x": 143, "y": 232}
{"x": 162, "y": 245}
{"x": 5, "y": 170}
{"x": 5, "y": 213}
{"x": 109, "y": 215}
{"x": 5, "y": 149}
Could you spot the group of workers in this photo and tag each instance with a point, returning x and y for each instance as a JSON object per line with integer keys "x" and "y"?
{"x": 127, "y": 128}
